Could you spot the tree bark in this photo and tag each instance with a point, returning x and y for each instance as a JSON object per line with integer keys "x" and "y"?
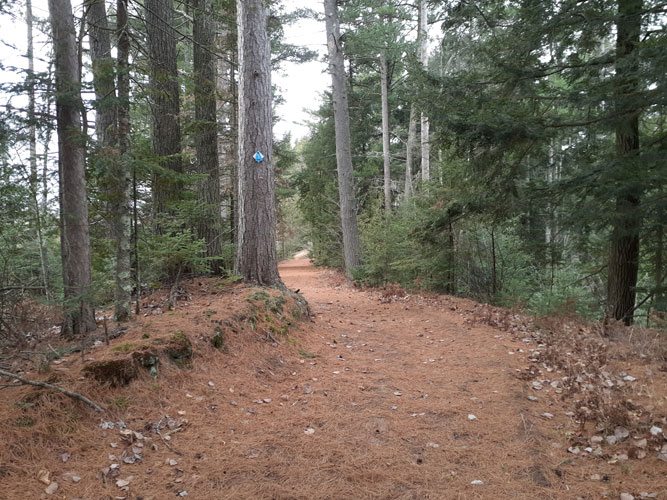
{"x": 209, "y": 227}
{"x": 624, "y": 248}
{"x": 32, "y": 139}
{"x": 410, "y": 151}
{"x": 121, "y": 173}
{"x": 422, "y": 36}
{"x": 384, "y": 84}
{"x": 165, "y": 105}
{"x": 348, "y": 213}
{"x": 256, "y": 258}
{"x": 103, "y": 73}
{"x": 79, "y": 316}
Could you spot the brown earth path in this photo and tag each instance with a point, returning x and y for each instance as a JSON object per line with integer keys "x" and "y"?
{"x": 403, "y": 401}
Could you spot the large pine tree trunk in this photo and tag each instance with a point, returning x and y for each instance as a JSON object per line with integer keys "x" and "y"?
{"x": 122, "y": 173}
{"x": 103, "y": 73}
{"x": 624, "y": 248}
{"x": 79, "y": 316}
{"x": 165, "y": 105}
{"x": 384, "y": 84}
{"x": 348, "y": 213}
{"x": 209, "y": 225}
{"x": 422, "y": 36}
{"x": 256, "y": 258}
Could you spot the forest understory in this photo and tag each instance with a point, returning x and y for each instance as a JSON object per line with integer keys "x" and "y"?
{"x": 241, "y": 392}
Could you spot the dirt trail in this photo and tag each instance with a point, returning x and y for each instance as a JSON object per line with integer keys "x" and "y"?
{"x": 407, "y": 402}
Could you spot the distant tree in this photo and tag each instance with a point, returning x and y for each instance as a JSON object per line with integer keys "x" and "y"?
{"x": 347, "y": 199}
{"x": 79, "y": 316}
{"x": 422, "y": 36}
{"x": 626, "y": 223}
{"x": 121, "y": 172}
{"x": 165, "y": 105}
{"x": 256, "y": 258}
{"x": 208, "y": 190}
{"x": 103, "y": 73}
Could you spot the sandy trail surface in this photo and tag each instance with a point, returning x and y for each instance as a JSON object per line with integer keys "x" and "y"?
{"x": 403, "y": 401}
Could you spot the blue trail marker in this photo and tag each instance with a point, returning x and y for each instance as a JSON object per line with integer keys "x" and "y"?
{"x": 258, "y": 157}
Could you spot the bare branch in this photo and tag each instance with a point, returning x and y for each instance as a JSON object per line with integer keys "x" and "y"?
{"x": 44, "y": 385}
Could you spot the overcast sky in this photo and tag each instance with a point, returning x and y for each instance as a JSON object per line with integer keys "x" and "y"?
{"x": 301, "y": 85}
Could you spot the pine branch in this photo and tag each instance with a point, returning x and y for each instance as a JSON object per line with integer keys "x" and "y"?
{"x": 44, "y": 385}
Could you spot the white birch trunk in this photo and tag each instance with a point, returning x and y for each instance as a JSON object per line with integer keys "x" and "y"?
{"x": 422, "y": 35}
{"x": 385, "y": 131}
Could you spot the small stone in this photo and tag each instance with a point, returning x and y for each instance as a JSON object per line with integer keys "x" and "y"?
{"x": 537, "y": 386}
{"x": 398, "y": 393}
{"x": 574, "y": 450}
{"x": 655, "y": 430}
{"x": 65, "y": 457}
{"x": 211, "y": 384}
{"x": 433, "y": 445}
{"x": 122, "y": 483}
{"x": 307, "y": 389}
{"x": 51, "y": 488}
{"x": 595, "y": 477}
{"x": 611, "y": 439}
{"x": 548, "y": 415}
{"x": 477, "y": 482}
{"x": 532, "y": 398}
{"x": 629, "y": 378}
{"x": 267, "y": 400}
{"x": 183, "y": 493}
{"x": 597, "y": 440}
{"x": 471, "y": 417}
{"x": 309, "y": 431}
{"x": 181, "y": 412}
{"x": 621, "y": 433}
{"x": 641, "y": 443}
{"x": 285, "y": 397}
{"x": 171, "y": 461}
{"x": 627, "y": 496}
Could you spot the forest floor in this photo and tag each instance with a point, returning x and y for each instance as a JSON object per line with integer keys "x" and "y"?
{"x": 379, "y": 394}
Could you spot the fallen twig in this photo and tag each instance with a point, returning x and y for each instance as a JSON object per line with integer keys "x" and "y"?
{"x": 66, "y": 392}
{"x": 166, "y": 443}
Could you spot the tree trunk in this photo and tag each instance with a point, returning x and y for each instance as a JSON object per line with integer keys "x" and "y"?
{"x": 384, "y": 83}
{"x": 660, "y": 303}
{"x": 209, "y": 226}
{"x": 79, "y": 316}
{"x": 32, "y": 139}
{"x": 103, "y": 73}
{"x": 624, "y": 247}
{"x": 121, "y": 173}
{"x": 410, "y": 150}
{"x": 348, "y": 213}
{"x": 256, "y": 257}
{"x": 422, "y": 36}
{"x": 165, "y": 105}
